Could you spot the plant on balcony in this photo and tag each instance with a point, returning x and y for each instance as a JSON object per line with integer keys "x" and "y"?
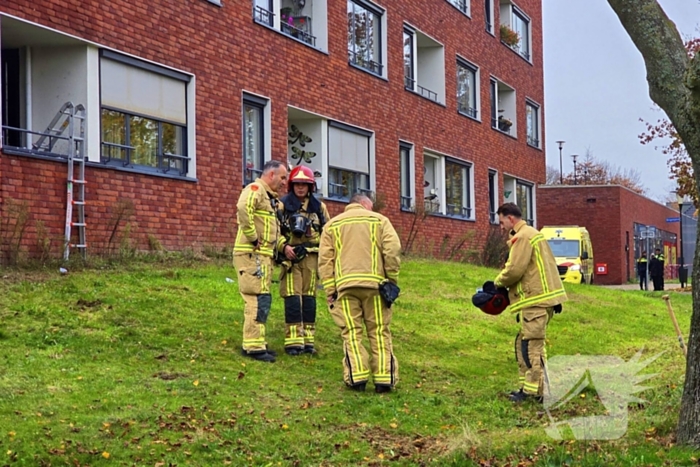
{"x": 509, "y": 37}
{"x": 295, "y": 136}
{"x": 504, "y": 124}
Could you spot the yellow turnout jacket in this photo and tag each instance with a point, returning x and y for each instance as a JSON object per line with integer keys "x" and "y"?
{"x": 359, "y": 248}
{"x": 530, "y": 274}
{"x": 257, "y": 220}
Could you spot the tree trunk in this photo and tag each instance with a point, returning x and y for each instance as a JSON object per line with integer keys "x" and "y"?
{"x": 674, "y": 84}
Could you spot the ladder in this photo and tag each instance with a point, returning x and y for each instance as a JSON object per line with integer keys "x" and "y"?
{"x": 75, "y": 193}
{"x": 55, "y": 130}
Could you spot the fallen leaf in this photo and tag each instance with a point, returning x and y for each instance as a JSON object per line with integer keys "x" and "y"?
{"x": 319, "y": 390}
{"x": 105, "y": 455}
{"x": 196, "y": 382}
{"x": 393, "y": 425}
{"x": 285, "y": 427}
{"x": 583, "y": 396}
{"x": 241, "y": 375}
{"x": 106, "y": 425}
{"x": 223, "y": 342}
{"x": 12, "y": 433}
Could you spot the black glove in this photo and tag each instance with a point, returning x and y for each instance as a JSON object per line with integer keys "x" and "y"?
{"x": 389, "y": 292}
{"x": 489, "y": 287}
{"x": 255, "y": 243}
{"x": 557, "y": 309}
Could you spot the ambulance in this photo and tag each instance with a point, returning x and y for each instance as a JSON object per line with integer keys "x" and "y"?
{"x": 572, "y": 249}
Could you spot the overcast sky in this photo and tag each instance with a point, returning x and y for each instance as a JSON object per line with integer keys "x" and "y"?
{"x": 596, "y": 90}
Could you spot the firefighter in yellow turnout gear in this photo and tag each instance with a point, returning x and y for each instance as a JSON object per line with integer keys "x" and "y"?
{"x": 257, "y": 241}
{"x": 359, "y": 250}
{"x": 536, "y": 293}
{"x": 303, "y": 217}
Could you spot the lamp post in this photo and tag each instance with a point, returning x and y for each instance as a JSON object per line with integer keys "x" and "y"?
{"x": 561, "y": 169}
{"x": 682, "y": 271}
{"x": 574, "y": 157}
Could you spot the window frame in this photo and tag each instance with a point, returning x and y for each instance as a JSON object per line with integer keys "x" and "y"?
{"x": 467, "y": 196}
{"x": 525, "y": 19}
{"x": 260, "y": 105}
{"x": 533, "y": 140}
{"x": 529, "y": 210}
{"x": 352, "y": 54}
{"x": 474, "y": 70}
{"x": 489, "y": 16}
{"x": 493, "y": 196}
{"x": 331, "y": 186}
{"x": 407, "y": 191}
{"x": 161, "y": 167}
{"x": 409, "y": 83}
{"x": 465, "y": 10}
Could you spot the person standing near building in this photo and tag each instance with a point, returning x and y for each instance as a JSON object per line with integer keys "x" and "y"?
{"x": 656, "y": 270}
{"x": 257, "y": 241}
{"x": 535, "y": 292}
{"x": 642, "y": 271}
{"x": 359, "y": 253}
{"x": 303, "y": 218}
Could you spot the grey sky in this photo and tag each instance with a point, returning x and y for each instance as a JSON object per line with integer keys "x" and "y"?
{"x": 596, "y": 90}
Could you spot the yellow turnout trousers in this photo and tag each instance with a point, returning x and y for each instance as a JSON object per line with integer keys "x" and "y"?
{"x": 254, "y": 280}
{"x": 357, "y": 308}
{"x": 298, "y": 288}
{"x": 530, "y": 349}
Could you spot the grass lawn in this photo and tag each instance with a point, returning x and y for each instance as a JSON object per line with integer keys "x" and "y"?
{"x": 141, "y": 365}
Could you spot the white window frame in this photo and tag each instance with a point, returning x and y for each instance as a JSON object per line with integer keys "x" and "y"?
{"x": 530, "y": 200}
{"x": 489, "y": 13}
{"x": 463, "y": 6}
{"x": 507, "y": 104}
{"x": 368, "y": 189}
{"x": 508, "y": 13}
{"x": 407, "y": 179}
{"x": 535, "y": 139}
{"x": 493, "y": 196}
{"x": 380, "y": 13}
{"x": 439, "y": 192}
{"x": 265, "y": 143}
{"x": 473, "y": 112}
{"x": 428, "y": 68}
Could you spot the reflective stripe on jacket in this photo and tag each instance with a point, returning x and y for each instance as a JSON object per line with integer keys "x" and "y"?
{"x": 257, "y": 220}
{"x": 530, "y": 274}
{"x": 359, "y": 248}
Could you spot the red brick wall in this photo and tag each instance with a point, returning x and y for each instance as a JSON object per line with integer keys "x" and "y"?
{"x": 229, "y": 53}
{"x": 608, "y": 212}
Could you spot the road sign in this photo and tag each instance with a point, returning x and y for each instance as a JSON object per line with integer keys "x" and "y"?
{"x": 673, "y": 219}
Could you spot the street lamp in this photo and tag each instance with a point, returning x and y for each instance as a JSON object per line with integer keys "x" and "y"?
{"x": 682, "y": 271}
{"x": 574, "y": 157}
{"x": 561, "y": 169}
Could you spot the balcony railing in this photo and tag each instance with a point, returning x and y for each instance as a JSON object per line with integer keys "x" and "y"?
{"x": 431, "y": 206}
{"x": 493, "y": 217}
{"x": 120, "y": 153}
{"x": 263, "y": 16}
{"x": 467, "y": 110}
{"x": 411, "y": 85}
{"x": 532, "y": 141}
{"x": 298, "y": 33}
{"x": 406, "y": 203}
{"x": 251, "y": 174}
{"x": 459, "y": 211}
{"x": 362, "y": 62}
{"x": 18, "y": 139}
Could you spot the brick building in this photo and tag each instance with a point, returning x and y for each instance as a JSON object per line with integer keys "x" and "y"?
{"x": 421, "y": 102}
{"x": 616, "y": 218}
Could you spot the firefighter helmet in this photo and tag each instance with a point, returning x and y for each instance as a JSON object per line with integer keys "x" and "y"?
{"x": 491, "y": 303}
{"x": 302, "y": 174}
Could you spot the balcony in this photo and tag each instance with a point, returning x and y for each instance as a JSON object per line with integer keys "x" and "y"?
{"x": 298, "y": 27}
{"x": 410, "y": 84}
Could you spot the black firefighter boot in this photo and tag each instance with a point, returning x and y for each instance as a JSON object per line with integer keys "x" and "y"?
{"x": 293, "y": 316}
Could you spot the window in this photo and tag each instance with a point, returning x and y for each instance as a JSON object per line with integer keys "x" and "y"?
{"x": 503, "y": 116}
{"x": 408, "y": 68}
{"x": 493, "y": 196}
{"x": 348, "y": 160}
{"x": 461, "y": 5}
{"x": 447, "y": 187}
{"x": 365, "y": 36}
{"x": 143, "y": 115}
{"x": 253, "y": 137}
{"x": 532, "y": 116}
{"x": 407, "y": 182}
{"x": 424, "y": 65}
{"x": 488, "y": 4}
{"x": 457, "y": 189}
{"x": 466, "y": 89}
{"x": 519, "y": 24}
{"x": 523, "y": 196}
{"x": 303, "y": 20}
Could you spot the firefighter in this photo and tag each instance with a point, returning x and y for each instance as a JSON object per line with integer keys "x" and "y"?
{"x": 257, "y": 242}
{"x": 303, "y": 217}
{"x": 359, "y": 256}
{"x": 535, "y": 292}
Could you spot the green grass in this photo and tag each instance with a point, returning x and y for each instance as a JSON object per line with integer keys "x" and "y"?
{"x": 141, "y": 366}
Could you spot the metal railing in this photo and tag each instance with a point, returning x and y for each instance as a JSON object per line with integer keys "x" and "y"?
{"x": 251, "y": 174}
{"x": 360, "y": 61}
{"x": 107, "y": 157}
{"x": 406, "y": 203}
{"x": 411, "y": 85}
{"x": 297, "y": 33}
{"x": 25, "y": 135}
{"x": 467, "y": 110}
{"x": 431, "y": 206}
{"x": 493, "y": 217}
{"x": 459, "y": 211}
{"x": 263, "y": 16}
{"x": 533, "y": 141}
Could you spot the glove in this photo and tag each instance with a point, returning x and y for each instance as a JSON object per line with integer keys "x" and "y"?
{"x": 389, "y": 292}
{"x": 557, "y": 309}
{"x": 489, "y": 287}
